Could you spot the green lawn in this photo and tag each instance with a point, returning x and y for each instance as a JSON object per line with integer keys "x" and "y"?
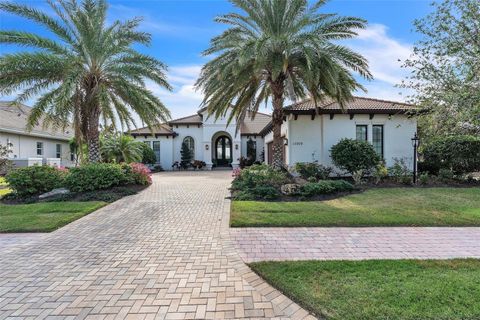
{"x": 381, "y": 289}
{"x": 43, "y": 216}
{"x": 374, "y": 207}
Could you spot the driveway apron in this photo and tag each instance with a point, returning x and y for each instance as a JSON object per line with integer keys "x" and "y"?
{"x": 163, "y": 253}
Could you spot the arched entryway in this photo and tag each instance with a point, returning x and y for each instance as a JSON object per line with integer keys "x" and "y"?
{"x": 223, "y": 150}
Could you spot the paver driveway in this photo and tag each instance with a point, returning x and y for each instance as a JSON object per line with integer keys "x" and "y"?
{"x": 164, "y": 253}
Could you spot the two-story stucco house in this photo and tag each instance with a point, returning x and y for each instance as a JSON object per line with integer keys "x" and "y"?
{"x": 38, "y": 146}
{"x": 309, "y": 132}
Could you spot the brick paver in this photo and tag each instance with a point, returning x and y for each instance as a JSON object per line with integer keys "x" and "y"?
{"x": 260, "y": 244}
{"x": 164, "y": 253}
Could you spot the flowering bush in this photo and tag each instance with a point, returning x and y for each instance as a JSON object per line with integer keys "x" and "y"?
{"x": 236, "y": 172}
{"x": 140, "y": 173}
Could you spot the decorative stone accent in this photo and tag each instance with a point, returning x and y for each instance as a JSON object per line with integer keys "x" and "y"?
{"x": 54, "y": 192}
{"x": 290, "y": 189}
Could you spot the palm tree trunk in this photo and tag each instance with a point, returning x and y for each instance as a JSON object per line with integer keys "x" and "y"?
{"x": 93, "y": 138}
{"x": 277, "y": 120}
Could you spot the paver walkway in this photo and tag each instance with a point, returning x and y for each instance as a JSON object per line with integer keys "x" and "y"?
{"x": 260, "y": 244}
{"x": 164, "y": 253}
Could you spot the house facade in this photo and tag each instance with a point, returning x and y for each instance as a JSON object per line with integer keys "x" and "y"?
{"x": 309, "y": 132}
{"x": 38, "y": 146}
{"x": 210, "y": 140}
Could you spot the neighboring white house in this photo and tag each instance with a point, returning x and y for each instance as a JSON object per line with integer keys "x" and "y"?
{"x": 38, "y": 146}
{"x": 309, "y": 132}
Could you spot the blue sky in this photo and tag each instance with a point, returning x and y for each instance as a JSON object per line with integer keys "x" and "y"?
{"x": 181, "y": 30}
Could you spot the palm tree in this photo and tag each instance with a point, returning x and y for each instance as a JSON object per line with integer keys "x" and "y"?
{"x": 279, "y": 49}
{"x": 87, "y": 73}
{"x": 121, "y": 148}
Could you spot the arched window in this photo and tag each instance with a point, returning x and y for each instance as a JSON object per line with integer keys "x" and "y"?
{"x": 190, "y": 144}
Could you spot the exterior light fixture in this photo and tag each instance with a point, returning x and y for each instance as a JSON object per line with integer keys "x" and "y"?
{"x": 236, "y": 146}
{"x": 206, "y": 147}
{"x": 285, "y": 141}
{"x": 415, "y": 144}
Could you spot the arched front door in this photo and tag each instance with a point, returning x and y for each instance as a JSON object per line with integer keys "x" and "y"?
{"x": 223, "y": 150}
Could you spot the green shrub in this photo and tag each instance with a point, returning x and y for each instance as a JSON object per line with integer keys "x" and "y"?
{"x": 258, "y": 193}
{"x": 424, "y": 178}
{"x": 400, "y": 171}
{"x": 148, "y": 156}
{"x": 460, "y": 154}
{"x": 325, "y": 187}
{"x": 445, "y": 175}
{"x": 97, "y": 176}
{"x": 380, "y": 172}
{"x": 259, "y": 175}
{"x": 312, "y": 170}
{"x": 354, "y": 156}
{"x": 34, "y": 180}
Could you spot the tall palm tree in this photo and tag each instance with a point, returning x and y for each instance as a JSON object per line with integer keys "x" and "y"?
{"x": 279, "y": 49}
{"x": 87, "y": 73}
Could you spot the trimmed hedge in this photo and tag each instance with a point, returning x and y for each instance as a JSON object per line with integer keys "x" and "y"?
{"x": 34, "y": 180}
{"x": 354, "y": 156}
{"x": 460, "y": 154}
{"x": 96, "y": 176}
{"x": 325, "y": 187}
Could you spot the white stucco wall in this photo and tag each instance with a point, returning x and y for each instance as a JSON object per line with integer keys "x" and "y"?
{"x": 166, "y": 149}
{"x": 184, "y": 131}
{"x": 310, "y": 140}
{"x": 24, "y": 146}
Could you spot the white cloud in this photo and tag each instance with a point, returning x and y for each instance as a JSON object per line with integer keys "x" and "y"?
{"x": 183, "y": 100}
{"x": 385, "y": 55}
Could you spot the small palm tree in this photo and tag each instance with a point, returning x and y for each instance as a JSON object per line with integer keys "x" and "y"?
{"x": 89, "y": 72}
{"x": 121, "y": 148}
{"x": 279, "y": 49}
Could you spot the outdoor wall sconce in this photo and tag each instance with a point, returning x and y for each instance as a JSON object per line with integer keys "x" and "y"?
{"x": 236, "y": 146}
{"x": 206, "y": 147}
{"x": 285, "y": 142}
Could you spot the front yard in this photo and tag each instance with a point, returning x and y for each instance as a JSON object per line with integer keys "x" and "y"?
{"x": 380, "y": 289}
{"x": 374, "y": 207}
{"x": 44, "y": 216}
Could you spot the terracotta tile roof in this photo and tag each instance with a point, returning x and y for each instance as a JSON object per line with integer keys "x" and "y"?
{"x": 255, "y": 126}
{"x": 13, "y": 119}
{"x": 162, "y": 129}
{"x": 359, "y": 104}
{"x": 193, "y": 119}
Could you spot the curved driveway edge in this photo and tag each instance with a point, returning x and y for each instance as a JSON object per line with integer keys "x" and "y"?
{"x": 164, "y": 253}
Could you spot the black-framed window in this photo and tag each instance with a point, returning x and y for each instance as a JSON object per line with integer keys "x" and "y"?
{"x": 58, "y": 150}
{"x": 251, "y": 149}
{"x": 378, "y": 139}
{"x": 156, "y": 150}
{"x": 39, "y": 148}
{"x": 190, "y": 144}
{"x": 362, "y": 132}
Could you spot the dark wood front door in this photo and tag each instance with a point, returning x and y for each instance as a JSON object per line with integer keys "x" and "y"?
{"x": 223, "y": 150}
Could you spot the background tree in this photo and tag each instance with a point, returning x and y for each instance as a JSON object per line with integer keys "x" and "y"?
{"x": 445, "y": 67}
{"x": 121, "y": 148}
{"x": 186, "y": 155}
{"x": 279, "y": 49}
{"x": 89, "y": 72}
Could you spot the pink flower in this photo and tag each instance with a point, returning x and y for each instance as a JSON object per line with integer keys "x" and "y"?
{"x": 236, "y": 172}
{"x": 141, "y": 172}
